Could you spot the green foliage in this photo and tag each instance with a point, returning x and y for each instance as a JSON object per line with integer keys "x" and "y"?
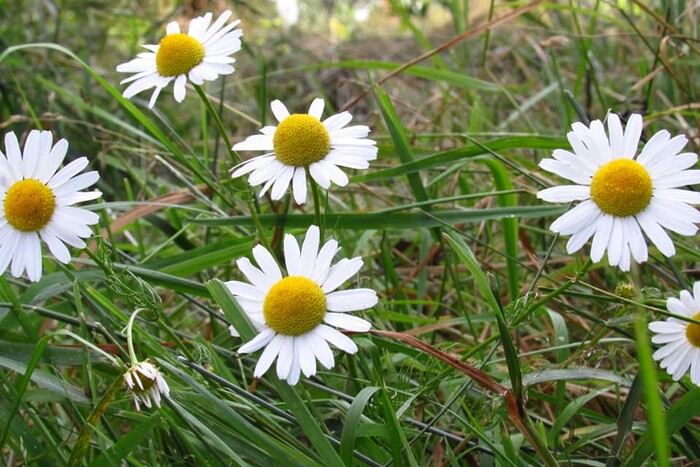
{"x": 446, "y": 220}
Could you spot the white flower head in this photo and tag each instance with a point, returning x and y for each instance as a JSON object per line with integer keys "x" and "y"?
{"x": 37, "y": 203}
{"x": 623, "y": 194}
{"x": 303, "y": 142}
{"x": 680, "y": 340}
{"x": 201, "y": 54}
{"x": 146, "y": 384}
{"x": 294, "y": 313}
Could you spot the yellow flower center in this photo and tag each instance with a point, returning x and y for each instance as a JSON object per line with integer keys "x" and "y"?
{"x": 622, "y": 188}
{"x": 178, "y": 54}
{"x": 29, "y": 205}
{"x": 692, "y": 331}
{"x": 294, "y": 306}
{"x": 301, "y": 140}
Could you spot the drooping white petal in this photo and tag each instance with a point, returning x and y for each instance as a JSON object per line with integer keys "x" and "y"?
{"x": 258, "y": 342}
{"x": 336, "y": 338}
{"x": 268, "y": 356}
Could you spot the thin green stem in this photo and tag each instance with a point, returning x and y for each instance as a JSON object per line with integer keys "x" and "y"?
{"x": 317, "y": 204}
{"x": 235, "y": 159}
{"x": 219, "y": 124}
{"x": 17, "y": 310}
{"x": 558, "y": 291}
{"x": 129, "y": 339}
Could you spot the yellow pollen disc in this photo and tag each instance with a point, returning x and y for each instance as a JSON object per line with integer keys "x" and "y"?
{"x": 294, "y": 306}
{"x": 178, "y": 54}
{"x": 29, "y": 205}
{"x": 301, "y": 140}
{"x": 692, "y": 331}
{"x": 622, "y": 188}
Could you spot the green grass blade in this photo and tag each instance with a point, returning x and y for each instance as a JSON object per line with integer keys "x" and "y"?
{"x": 352, "y": 422}
{"x": 460, "y": 154}
{"x": 392, "y": 220}
{"x": 24, "y": 381}
{"x": 482, "y": 283}
{"x": 502, "y": 181}
{"x": 398, "y": 135}
{"x": 656, "y": 416}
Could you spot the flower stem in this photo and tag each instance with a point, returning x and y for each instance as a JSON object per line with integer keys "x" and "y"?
{"x": 235, "y": 159}
{"x": 317, "y": 204}
{"x": 558, "y": 291}
{"x": 219, "y": 124}
{"x": 129, "y": 339}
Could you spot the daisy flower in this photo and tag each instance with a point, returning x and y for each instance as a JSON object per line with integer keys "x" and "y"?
{"x": 294, "y": 313}
{"x": 146, "y": 384}
{"x": 622, "y": 194}
{"x": 303, "y": 142}
{"x": 201, "y": 54}
{"x": 36, "y": 203}
{"x": 680, "y": 340}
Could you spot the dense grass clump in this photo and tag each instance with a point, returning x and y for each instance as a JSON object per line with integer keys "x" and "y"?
{"x": 436, "y": 147}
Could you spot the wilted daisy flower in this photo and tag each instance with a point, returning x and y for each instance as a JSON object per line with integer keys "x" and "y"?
{"x": 293, "y": 313}
{"x": 36, "y": 203}
{"x": 680, "y": 340}
{"x": 301, "y": 142}
{"x": 622, "y": 196}
{"x": 201, "y": 54}
{"x": 146, "y": 384}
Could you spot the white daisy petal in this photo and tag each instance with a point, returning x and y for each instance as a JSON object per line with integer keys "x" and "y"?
{"x": 321, "y": 350}
{"x": 580, "y": 217}
{"x": 613, "y": 195}
{"x": 565, "y": 193}
{"x": 343, "y": 147}
{"x": 307, "y": 359}
{"x": 282, "y": 183}
{"x": 255, "y": 275}
{"x": 295, "y": 368}
{"x": 292, "y": 255}
{"x": 279, "y": 110}
{"x": 322, "y": 263}
{"x": 679, "y": 351}
{"x": 337, "y": 338}
{"x": 215, "y": 41}
{"x": 23, "y": 227}
{"x": 616, "y": 136}
{"x": 351, "y": 300}
{"x": 631, "y": 138}
{"x": 337, "y": 121}
{"x": 601, "y": 238}
{"x": 290, "y": 311}
{"x": 258, "y": 342}
{"x": 268, "y": 356}
{"x": 347, "y": 322}
{"x": 284, "y": 360}
{"x": 316, "y": 108}
{"x": 309, "y": 252}
{"x": 267, "y": 263}
{"x": 245, "y": 290}
{"x": 319, "y": 175}
{"x": 299, "y": 185}
{"x": 341, "y": 272}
